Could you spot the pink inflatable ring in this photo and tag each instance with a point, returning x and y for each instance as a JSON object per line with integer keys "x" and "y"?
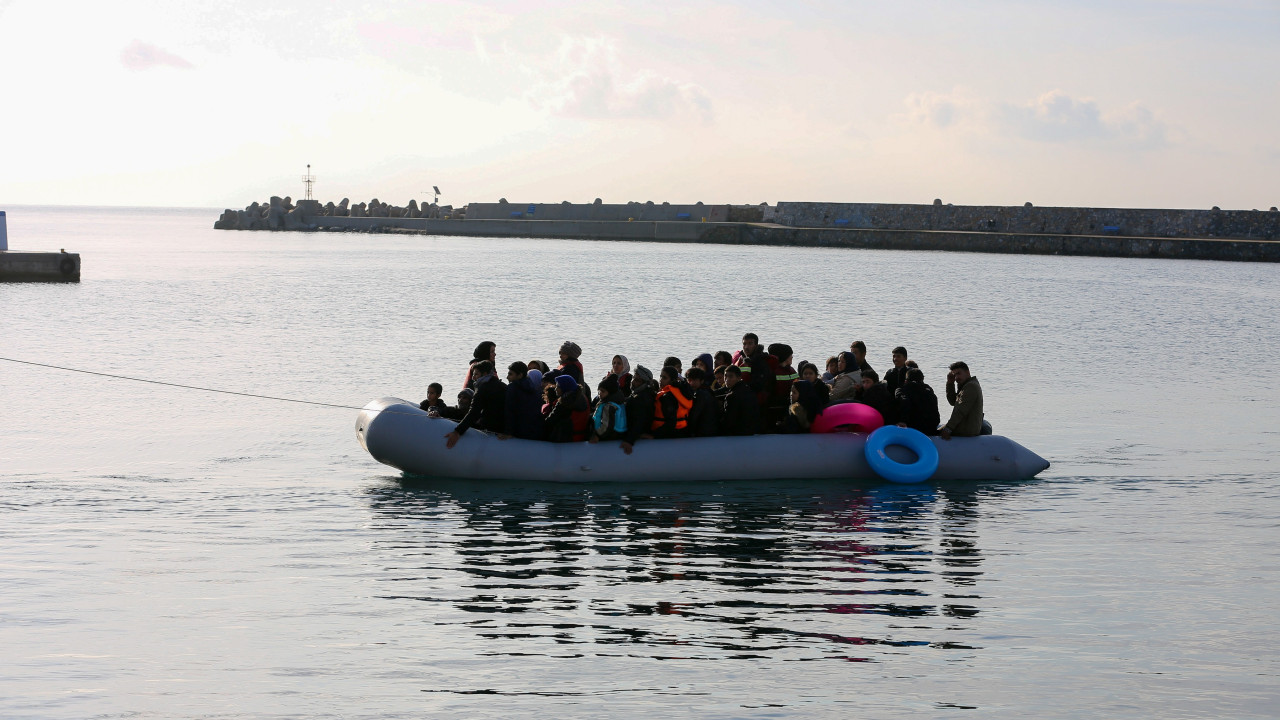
{"x": 847, "y": 417}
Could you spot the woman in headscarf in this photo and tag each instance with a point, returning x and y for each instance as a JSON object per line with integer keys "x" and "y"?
{"x": 484, "y": 351}
{"x": 845, "y": 385}
{"x": 621, "y": 367}
{"x": 804, "y": 408}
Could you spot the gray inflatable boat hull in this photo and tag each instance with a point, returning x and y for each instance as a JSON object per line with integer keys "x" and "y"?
{"x": 399, "y": 434}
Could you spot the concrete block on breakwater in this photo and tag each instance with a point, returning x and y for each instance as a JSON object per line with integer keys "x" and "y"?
{"x": 18, "y": 266}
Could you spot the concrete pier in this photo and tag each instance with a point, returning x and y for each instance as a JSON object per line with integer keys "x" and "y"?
{"x": 18, "y": 266}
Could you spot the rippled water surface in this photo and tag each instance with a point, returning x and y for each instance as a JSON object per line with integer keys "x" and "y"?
{"x": 171, "y": 553}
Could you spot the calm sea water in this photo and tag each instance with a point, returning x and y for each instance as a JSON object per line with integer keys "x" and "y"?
{"x": 169, "y": 553}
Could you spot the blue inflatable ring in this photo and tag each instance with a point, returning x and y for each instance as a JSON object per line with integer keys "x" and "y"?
{"x": 922, "y": 469}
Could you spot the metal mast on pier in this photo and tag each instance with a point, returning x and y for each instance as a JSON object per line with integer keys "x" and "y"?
{"x": 308, "y": 180}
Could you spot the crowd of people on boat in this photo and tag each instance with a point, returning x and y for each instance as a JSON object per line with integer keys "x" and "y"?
{"x": 751, "y": 391}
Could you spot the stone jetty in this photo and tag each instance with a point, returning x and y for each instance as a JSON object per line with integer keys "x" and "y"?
{"x": 35, "y": 266}
{"x": 1214, "y": 234}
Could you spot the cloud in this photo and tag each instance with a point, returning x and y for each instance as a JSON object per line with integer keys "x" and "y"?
{"x": 1058, "y": 117}
{"x": 1053, "y": 117}
{"x": 142, "y": 56}
{"x": 588, "y": 81}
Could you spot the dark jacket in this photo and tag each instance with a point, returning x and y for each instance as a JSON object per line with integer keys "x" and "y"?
{"x": 439, "y": 404}
{"x": 895, "y": 377}
{"x": 762, "y": 377}
{"x": 567, "y": 413}
{"x": 572, "y": 368}
{"x": 639, "y": 414}
{"x": 918, "y": 407}
{"x": 523, "y": 417}
{"x": 488, "y": 408}
{"x": 878, "y": 397}
{"x": 703, "y": 417}
{"x": 741, "y": 411}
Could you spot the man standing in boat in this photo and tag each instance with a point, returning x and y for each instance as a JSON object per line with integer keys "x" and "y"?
{"x": 965, "y": 395}
{"x": 488, "y": 408}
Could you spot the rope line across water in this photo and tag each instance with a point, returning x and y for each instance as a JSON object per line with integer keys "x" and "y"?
{"x": 180, "y": 385}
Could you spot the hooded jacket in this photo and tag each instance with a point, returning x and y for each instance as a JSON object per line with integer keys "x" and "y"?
{"x": 523, "y": 418}
{"x": 918, "y": 407}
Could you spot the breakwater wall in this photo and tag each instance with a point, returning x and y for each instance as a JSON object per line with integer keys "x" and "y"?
{"x": 1250, "y": 236}
{"x": 1027, "y": 219}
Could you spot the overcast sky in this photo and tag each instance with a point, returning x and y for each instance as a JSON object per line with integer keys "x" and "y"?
{"x": 1133, "y": 103}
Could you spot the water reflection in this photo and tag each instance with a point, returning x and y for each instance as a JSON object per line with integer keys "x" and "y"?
{"x": 806, "y": 572}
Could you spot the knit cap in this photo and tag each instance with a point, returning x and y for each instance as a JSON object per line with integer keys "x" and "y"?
{"x": 566, "y": 385}
{"x": 642, "y": 374}
{"x": 571, "y": 349}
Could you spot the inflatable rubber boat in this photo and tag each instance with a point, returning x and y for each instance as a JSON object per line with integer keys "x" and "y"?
{"x": 399, "y": 434}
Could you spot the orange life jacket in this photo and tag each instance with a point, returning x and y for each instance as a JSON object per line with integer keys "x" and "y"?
{"x": 683, "y": 405}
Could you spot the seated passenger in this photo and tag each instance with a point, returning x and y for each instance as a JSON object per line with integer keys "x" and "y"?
{"x": 571, "y": 416}
{"x": 784, "y": 374}
{"x": 674, "y": 362}
{"x": 896, "y": 376}
{"x": 917, "y": 404}
{"x": 524, "y": 404}
{"x": 486, "y": 350}
{"x": 965, "y": 396}
{"x": 569, "y": 365}
{"x": 809, "y": 371}
{"x": 609, "y": 421}
{"x": 717, "y": 379}
{"x": 671, "y": 405}
{"x": 833, "y": 369}
{"x": 847, "y": 383}
{"x": 621, "y": 368}
{"x": 705, "y": 362}
{"x": 859, "y": 350}
{"x": 804, "y": 408}
{"x": 434, "y": 390}
{"x": 703, "y": 417}
{"x": 489, "y": 407}
{"x": 741, "y": 410}
{"x": 540, "y": 366}
{"x": 876, "y": 394}
{"x": 721, "y": 359}
{"x": 639, "y": 408}
{"x": 457, "y": 413}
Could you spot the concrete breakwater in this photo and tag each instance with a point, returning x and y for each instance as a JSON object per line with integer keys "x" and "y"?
{"x": 1252, "y": 236}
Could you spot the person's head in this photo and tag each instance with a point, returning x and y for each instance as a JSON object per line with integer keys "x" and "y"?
{"x": 481, "y": 369}
{"x": 859, "y": 349}
{"x": 569, "y": 350}
{"x": 464, "y": 398}
{"x": 809, "y": 372}
{"x": 722, "y": 358}
{"x": 434, "y": 391}
{"x": 732, "y": 374}
{"x": 750, "y": 342}
{"x": 848, "y": 362}
{"x": 915, "y": 375}
{"x": 833, "y": 364}
{"x": 516, "y": 370}
{"x": 608, "y": 386}
{"x": 486, "y": 350}
{"x": 620, "y": 366}
{"x": 869, "y": 378}
{"x": 566, "y": 385}
{"x": 782, "y": 351}
{"x": 795, "y": 393}
{"x": 960, "y": 371}
{"x": 899, "y": 356}
{"x": 695, "y": 377}
{"x": 641, "y": 378}
{"x": 670, "y": 375}
{"x": 912, "y": 364}
{"x": 540, "y": 366}
{"x": 703, "y": 361}
{"x": 717, "y": 376}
